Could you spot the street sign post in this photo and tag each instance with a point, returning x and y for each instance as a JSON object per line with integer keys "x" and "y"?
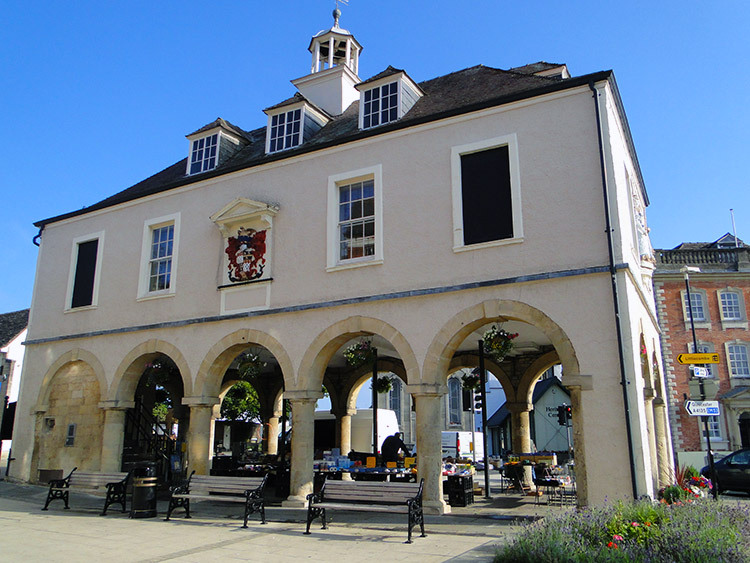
{"x": 686, "y": 359}
{"x": 702, "y": 408}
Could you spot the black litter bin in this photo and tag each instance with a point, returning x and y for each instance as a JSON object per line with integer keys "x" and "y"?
{"x": 143, "y": 503}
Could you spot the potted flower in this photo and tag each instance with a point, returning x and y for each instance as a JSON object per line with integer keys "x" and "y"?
{"x": 498, "y": 343}
{"x": 359, "y": 353}
{"x": 383, "y": 384}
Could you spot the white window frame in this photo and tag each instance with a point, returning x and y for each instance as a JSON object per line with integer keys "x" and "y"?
{"x": 192, "y": 150}
{"x": 740, "y": 322}
{"x": 98, "y": 236}
{"x": 730, "y": 367}
{"x": 706, "y": 321}
{"x": 149, "y": 226}
{"x": 396, "y": 396}
{"x": 515, "y": 191}
{"x": 714, "y": 428}
{"x": 287, "y": 110}
{"x": 378, "y": 86}
{"x": 333, "y": 262}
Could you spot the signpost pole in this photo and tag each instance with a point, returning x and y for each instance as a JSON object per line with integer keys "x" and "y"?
{"x": 714, "y": 489}
{"x": 483, "y": 390}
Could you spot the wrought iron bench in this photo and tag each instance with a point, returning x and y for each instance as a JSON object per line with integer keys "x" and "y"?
{"x": 248, "y": 490}
{"x": 115, "y": 483}
{"x": 368, "y": 496}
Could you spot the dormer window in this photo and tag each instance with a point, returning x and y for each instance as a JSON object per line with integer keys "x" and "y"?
{"x": 386, "y": 98}
{"x": 285, "y": 130}
{"x": 203, "y": 155}
{"x": 291, "y": 123}
{"x": 381, "y": 105}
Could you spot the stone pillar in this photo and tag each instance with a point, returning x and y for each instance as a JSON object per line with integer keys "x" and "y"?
{"x": 648, "y": 398}
{"x": 271, "y": 436}
{"x": 576, "y": 385}
{"x": 303, "y": 449}
{"x": 664, "y": 460}
{"x": 520, "y": 427}
{"x": 113, "y": 437}
{"x": 200, "y": 436}
{"x": 427, "y": 403}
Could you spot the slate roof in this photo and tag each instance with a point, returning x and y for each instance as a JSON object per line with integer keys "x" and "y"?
{"x": 11, "y": 325}
{"x": 460, "y": 92}
{"x": 727, "y": 238}
{"x": 501, "y": 414}
{"x": 219, "y": 122}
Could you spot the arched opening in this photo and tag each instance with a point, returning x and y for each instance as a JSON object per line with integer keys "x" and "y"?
{"x": 156, "y": 425}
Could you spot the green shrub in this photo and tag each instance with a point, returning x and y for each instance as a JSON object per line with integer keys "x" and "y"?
{"x": 692, "y": 532}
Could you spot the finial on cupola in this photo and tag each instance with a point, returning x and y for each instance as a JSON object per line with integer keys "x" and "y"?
{"x": 337, "y": 12}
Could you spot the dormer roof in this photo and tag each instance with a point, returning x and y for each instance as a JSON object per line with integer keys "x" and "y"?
{"x": 294, "y": 100}
{"x": 11, "y": 325}
{"x": 542, "y": 68}
{"x": 223, "y": 124}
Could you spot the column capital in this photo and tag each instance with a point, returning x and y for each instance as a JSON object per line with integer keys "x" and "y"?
{"x": 201, "y": 401}
{"x": 649, "y": 393}
{"x": 303, "y": 395}
{"x": 584, "y": 382}
{"x": 518, "y": 407}
{"x": 427, "y": 389}
{"x": 116, "y": 405}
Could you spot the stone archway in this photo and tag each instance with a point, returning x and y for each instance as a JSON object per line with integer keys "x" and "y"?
{"x": 68, "y": 418}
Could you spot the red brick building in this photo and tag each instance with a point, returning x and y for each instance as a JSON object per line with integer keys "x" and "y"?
{"x": 720, "y": 294}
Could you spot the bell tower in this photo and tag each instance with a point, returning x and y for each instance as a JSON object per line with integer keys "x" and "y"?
{"x": 334, "y": 70}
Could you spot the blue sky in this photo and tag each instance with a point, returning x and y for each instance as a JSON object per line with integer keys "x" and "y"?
{"x": 99, "y": 95}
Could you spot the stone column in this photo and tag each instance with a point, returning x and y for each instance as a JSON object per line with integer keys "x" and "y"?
{"x": 576, "y": 385}
{"x": 427, "y": 403}
{"x": 664, "y": 460}
{"x": 272, "y": 435}
{"x": 345, "y": 431}
{"x": 648, "y": 398}
{"x": 113, "y": 436}
{"x": 200, "y": 435}
{"x": 303, "y": 449}
{"x": 520, "y": 427}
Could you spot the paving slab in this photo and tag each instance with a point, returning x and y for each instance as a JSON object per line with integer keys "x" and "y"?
{"x": 215, "y": 533}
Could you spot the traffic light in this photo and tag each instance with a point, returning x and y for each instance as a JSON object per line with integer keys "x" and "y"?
{"x": 564, "y": 414}
{"x": 477, "y": 401}
{"x": 562, "y": 419}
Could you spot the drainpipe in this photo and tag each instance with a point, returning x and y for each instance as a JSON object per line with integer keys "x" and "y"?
{"x": 615, "y": 293}
{"x": 35, "y": 240}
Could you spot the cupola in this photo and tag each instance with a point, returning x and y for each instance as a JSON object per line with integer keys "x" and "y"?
{"x": 334, "y": 70}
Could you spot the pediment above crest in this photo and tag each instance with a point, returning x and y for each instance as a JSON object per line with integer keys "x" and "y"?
{"x": 244, "y": 212}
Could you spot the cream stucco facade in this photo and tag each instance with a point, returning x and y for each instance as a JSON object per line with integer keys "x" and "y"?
{"x": 422, "y": 298}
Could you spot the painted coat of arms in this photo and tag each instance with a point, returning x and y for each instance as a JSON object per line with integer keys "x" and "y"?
{"x": 247, "y": 255}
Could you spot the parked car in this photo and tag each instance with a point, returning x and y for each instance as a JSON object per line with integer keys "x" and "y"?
{"x": 732, "y": 472}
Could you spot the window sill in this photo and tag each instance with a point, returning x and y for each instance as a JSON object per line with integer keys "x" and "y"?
{"x": 489, "y": 244}
{"x": 152, "y": 296}
{"x": 77, "y": 309}
{"x": 357, "y": 264}
{"x": 734, "y": 324}
{"x": 698, "y": 324}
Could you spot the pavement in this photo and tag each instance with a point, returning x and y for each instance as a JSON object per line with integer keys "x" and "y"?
{"x": 215, "y": 533}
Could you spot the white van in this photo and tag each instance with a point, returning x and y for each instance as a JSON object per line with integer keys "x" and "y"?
{"x": 325, "y": 429}
{"x": 461, "y": 444}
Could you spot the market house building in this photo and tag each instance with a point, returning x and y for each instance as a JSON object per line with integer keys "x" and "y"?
{"x": 720, "y": 293}
{"x": 416, "y": 215}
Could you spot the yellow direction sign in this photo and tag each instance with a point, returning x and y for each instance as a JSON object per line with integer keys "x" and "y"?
{"x": 686, "y": 359}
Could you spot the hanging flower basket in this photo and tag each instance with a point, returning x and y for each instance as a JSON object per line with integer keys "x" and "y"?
{"x": 471, "y": 381}
{"x": 249, "y": 365}
{"x": 498, "y": 343}
{"x": 383, "y": 384}
{"x": 359, "y": 353}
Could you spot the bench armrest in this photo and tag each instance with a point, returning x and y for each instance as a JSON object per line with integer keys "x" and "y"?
{"x": 61, "y": 483}
{"x": 183, "y": 487}
{"x": 257, "y": 492}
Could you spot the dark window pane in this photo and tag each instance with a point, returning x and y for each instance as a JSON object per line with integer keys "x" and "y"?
{"x": 83, "y": 284}
{"x": 368, "y": 207}
{"x": 486, "y": 196}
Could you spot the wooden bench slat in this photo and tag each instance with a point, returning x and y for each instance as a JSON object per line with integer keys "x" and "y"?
{"x": 364, "y": 507}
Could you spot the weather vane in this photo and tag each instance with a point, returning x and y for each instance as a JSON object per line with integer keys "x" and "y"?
{"x": 337, "y": 12}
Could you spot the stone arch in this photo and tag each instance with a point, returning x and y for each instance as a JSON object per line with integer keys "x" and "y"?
{"x": 363, "y": 374}
{"x": 74, "y": 355}
{"x": 472, "y": 361}
{"x": 132, "y": 366}
{"x": 533, "y": 373}
{"x": 210, "y": 374}
{"x": 458, "y": 328}
{"x": 325, "y": 345}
